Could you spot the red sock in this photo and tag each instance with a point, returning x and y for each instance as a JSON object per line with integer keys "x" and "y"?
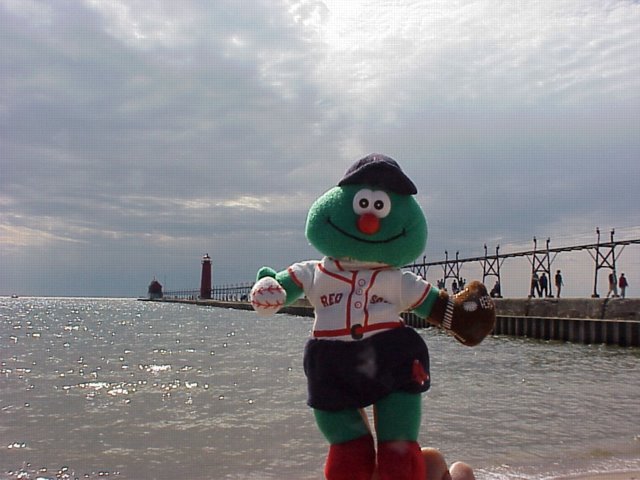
{"x": 353, "y": 460}
{"x": 400, "y": 460}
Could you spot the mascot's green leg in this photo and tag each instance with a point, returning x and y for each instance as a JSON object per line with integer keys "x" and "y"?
{"x": 351, "y": 454}
{"x": 397, "y": 426}
{"x": 398, "y": 417}
{"x": 341, "y": 426}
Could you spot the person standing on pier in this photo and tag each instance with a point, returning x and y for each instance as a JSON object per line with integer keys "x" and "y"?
{"x": 623, "y": 284}
{"x": 535, "y": 286}
{"x": 559, "y": 282}
{"x": 544, "y": 285}
{"x": 496, "y": 290}
{"x": 613, "y": 285}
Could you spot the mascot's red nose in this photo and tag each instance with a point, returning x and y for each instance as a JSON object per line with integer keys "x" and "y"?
{"x": 368, "y": 224}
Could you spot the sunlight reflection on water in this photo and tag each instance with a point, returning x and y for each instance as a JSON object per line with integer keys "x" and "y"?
{"x": 97, "y": 387}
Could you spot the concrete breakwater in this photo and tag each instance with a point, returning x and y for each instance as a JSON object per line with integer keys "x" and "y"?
{"x": 592, "y": 321}
{"x": 580, "y": 320}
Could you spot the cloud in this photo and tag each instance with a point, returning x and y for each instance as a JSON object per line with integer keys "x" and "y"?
{"x": 171, "y": 129}
{"x": 13, "y": 237}
{"x": 489, "y": 52}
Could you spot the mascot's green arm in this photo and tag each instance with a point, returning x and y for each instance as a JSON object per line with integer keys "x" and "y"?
{"x": 424, "y": 309}
{"x": 294, "y": 291}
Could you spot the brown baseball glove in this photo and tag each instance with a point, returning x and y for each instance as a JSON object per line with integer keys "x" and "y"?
{"x": 469, "y": 316}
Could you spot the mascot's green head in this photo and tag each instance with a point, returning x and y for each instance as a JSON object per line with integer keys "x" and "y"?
{"x": 371, "y": 216}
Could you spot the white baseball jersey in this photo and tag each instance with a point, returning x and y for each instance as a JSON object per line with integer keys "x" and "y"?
{"x": 353, "y": 300}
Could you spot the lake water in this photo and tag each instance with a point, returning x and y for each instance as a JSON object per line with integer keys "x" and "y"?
{"x": 94, "y": 388}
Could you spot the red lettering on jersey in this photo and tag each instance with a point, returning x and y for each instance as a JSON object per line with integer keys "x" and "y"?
{"x": 331, "y": 299}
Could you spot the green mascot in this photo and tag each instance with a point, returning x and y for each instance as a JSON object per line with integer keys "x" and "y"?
{"x": 360, "y": 352}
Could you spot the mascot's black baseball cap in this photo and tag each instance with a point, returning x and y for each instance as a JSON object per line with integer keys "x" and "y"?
{"x": 379, "y": 171}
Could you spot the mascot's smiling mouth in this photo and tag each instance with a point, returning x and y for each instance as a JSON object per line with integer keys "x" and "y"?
{"x": 364, "y": 240}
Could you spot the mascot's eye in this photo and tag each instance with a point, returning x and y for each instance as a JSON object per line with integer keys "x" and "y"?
{"x": 362, "y": 201}
{"x": 381, "y": 203}
{"x": 368, "y": 201}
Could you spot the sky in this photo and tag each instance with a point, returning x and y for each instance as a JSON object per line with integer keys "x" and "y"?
{"x": 136, "y": 136}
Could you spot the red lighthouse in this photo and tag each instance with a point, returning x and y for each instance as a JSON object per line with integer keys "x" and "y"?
{"x": 205, "y": 281}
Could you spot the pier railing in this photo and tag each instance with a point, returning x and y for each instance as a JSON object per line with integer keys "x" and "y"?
{"x": 604, "y": 254}
{"x": 238, "y": 292}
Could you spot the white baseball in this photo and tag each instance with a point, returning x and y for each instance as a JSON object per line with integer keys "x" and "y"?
{"x": 267, "y": 296}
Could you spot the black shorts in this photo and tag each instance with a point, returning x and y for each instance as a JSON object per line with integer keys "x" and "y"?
{"x": 357, "y": 374}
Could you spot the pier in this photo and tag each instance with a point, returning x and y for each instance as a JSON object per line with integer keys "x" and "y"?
{"x": 595, "y": 320}
{"x": 576, "y": 320}
{"x": 587, "y": 321}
